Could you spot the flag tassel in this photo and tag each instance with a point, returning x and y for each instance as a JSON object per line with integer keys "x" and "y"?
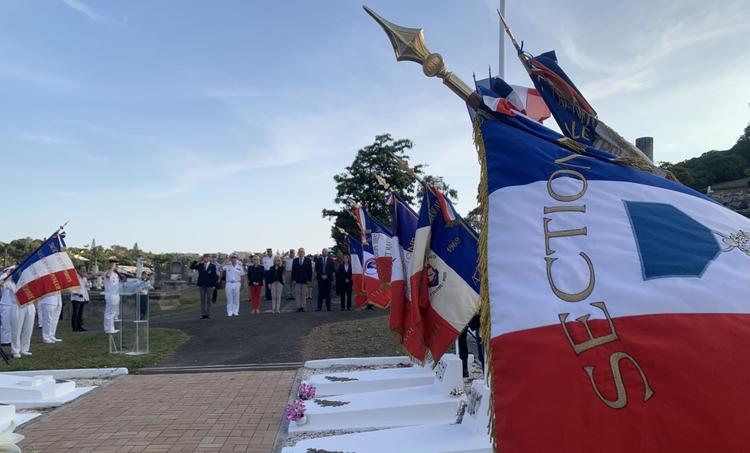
{"x": 484, "y": 298}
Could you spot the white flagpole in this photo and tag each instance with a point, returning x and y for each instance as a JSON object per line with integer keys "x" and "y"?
{"x": 501, "y": 56}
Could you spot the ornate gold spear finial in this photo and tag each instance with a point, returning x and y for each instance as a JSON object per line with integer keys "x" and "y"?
{"x": 409, "y": 45}
{"x": 383, "y": 182}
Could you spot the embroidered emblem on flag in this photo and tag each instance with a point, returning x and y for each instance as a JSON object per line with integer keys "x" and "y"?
{"x": 670, "y": 243}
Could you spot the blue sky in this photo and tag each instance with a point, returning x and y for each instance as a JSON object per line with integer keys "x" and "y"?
{"x": 217, "y": 126}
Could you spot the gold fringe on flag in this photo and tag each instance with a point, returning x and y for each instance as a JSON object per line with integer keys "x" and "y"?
{"x": 484, "y": 297}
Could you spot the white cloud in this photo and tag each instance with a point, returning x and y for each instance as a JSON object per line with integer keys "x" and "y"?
{"x": 652, "y": 52}
{"x": 46, "y": 139}
{"x": 83, "y": 8}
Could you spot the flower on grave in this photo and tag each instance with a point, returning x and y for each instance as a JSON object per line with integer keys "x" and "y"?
{"x": 306, "y": 391}
{"x": 295, "y": 411}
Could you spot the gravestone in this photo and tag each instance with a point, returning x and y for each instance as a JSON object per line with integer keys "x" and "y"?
{"x": 176, "y": 270}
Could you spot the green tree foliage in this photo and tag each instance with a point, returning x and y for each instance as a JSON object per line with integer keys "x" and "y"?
{"x": 714, "y": 166}
{"x": 18, "y": 249}
{"x": 357, "y": 183}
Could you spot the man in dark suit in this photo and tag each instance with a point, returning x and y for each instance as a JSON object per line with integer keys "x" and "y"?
{"x": 324, "y": 271}
{"x": 301, "y": 276}
{"x": 207, "y": 277}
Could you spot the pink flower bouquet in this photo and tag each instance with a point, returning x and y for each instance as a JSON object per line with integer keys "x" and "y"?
{"x": 306, "y": 391}
{"x": 295, "y": 411}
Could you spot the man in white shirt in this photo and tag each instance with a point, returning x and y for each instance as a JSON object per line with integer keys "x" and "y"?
{"x": 78, "y": 299}
{"x": 233, "y": 272}
{"x": 267, "y": 263}
{"x": 50, "y": 306}
{"x": 111, "y": 297}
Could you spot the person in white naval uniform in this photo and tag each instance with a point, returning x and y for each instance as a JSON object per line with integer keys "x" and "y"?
{"x": 21, "y": 321}
{"x": 233, "y": 274}
{"x": 111, "y": 297}
{"x": 50, "y": 306}
{"x": 6, "y": 308}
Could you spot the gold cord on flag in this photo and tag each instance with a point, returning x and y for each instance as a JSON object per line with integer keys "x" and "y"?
{"x": 484, "y": 298}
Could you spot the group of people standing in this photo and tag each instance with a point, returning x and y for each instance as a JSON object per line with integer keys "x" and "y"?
{"x": 275, "y": 275}
{"x": 17, "y": 321}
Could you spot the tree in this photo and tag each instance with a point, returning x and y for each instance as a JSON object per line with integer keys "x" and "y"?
{"x": 358, "y": 183}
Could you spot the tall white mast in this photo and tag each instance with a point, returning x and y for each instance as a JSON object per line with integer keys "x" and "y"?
{"x": 501, "y": 56}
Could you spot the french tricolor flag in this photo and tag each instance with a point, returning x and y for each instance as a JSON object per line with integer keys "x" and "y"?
{"x": 47, "y": 270}
{"x": 618, "y": 303}
{"x": 502, "y": 97}
{"x": 444, "y": 279}
{"x": 402, "y": 233}
{"x": 359, "y": 292}
{"x": 376, "y": 261}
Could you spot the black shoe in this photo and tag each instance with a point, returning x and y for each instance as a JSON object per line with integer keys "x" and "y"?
{"x": 204, "y": 316}
{"x": 302, "y": 309}
{"x": 81, "y": 329}
{"x": 348, "y": 308}
{"x": 318, "y": 309}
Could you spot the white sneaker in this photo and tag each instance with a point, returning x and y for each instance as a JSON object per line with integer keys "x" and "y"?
{"x": 48, "y": 341}
{"x": 16, "y": 356}
{"x": 56, "y": 339}
{"x": 26, "y": 353}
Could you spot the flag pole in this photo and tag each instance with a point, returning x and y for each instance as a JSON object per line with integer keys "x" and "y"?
{"x": 501, "y": 55}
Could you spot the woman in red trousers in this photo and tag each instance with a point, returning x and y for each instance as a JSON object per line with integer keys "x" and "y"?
{"x": 255, "y": 274}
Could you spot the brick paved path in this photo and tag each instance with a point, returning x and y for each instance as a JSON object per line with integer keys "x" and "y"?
{"x": 206, "y": 412}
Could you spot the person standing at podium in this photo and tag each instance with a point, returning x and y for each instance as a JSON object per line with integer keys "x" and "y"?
{"x": 111, "y": 297}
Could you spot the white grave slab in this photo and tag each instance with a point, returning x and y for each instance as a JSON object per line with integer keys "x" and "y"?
{"x": 8, "y": 416}
{"x": 327, "y": 384}
{"x": 470, "y": 436}
{"x": 28, "y": 392}
{"x": 426, "y": 404}
{"x": 357, "y": 361}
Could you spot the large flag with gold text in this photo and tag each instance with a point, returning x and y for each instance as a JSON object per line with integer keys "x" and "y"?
{"x": 618, "y": 300}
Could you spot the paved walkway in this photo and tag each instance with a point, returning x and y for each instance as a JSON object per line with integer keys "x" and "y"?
{"x": 206, "y": 412}
{"x": 264, "y": 338}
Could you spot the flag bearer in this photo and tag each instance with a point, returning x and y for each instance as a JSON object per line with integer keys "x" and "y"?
{"x": 21, "y": 322}
{"x": 111, "y": 297}
{"x": 50, "y": 306}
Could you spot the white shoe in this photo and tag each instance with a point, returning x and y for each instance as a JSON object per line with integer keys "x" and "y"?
{"x": 56, "y": 339}
{"x": 48, "y": 341}
{"x": 26, "y": 353}
{"x": 16, "y": 356}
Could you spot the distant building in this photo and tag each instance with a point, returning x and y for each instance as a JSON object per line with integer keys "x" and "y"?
{"x": 733, "y": 194}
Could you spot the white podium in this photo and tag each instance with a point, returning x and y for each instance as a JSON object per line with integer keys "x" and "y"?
{"x": 133, "y": 322}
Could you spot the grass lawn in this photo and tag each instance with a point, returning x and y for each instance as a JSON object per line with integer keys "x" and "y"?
{"x": 369, "y": 337}
{"x": 91, "y": 350}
